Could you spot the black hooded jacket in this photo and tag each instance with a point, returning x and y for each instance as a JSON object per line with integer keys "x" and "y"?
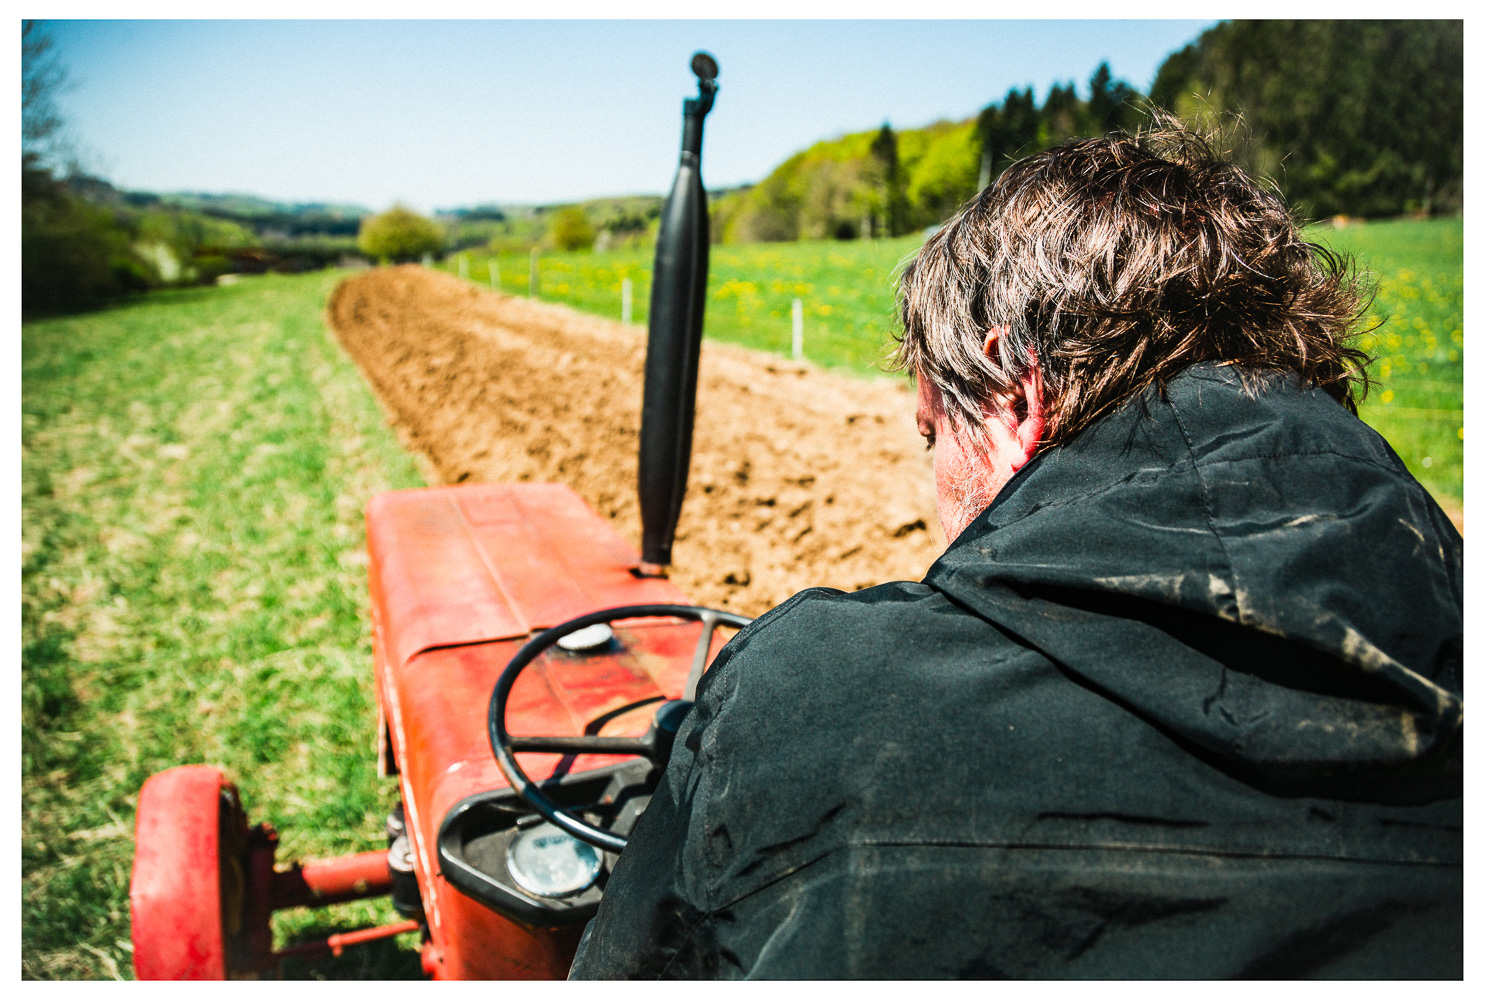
{"x": 1185, "y": 701}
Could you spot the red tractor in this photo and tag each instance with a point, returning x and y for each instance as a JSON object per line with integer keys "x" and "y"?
{"x": 531, "y": 671}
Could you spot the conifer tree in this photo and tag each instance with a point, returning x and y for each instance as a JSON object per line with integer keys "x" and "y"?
{"x": 884, "y": 157}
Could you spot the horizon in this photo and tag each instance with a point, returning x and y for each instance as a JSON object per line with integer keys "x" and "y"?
{"x": 437, "y": 210}
{"x": 377, "y": 112}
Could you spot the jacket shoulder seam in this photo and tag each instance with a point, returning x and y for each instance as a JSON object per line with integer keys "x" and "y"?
{"x": 1206, "y": 509}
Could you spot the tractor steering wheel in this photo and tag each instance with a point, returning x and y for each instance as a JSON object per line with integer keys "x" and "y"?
{"x": 654, "y": 745}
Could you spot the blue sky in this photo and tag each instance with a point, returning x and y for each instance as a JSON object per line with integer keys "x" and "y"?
{"x": 445, "y": 113}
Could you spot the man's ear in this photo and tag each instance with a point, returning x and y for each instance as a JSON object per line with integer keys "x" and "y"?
{"x": 992, "y": 337}
{"x": 1029, "y": 431}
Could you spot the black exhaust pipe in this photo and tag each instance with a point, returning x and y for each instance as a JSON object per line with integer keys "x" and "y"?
{"x": 677, "y": 305}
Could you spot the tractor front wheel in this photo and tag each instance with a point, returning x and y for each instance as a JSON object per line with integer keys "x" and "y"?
{"x": 191, "y": 861}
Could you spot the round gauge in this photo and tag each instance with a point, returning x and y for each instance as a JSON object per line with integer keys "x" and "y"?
{"x": 547, "y": 862}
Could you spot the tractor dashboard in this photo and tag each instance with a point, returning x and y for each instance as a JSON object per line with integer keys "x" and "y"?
{"x": 480, "y": 838}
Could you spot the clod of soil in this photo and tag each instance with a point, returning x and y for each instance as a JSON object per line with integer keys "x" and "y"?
{"x": 799, "y": 478}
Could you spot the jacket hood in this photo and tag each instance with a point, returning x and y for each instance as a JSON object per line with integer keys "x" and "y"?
{"x": 1243, "y": 563}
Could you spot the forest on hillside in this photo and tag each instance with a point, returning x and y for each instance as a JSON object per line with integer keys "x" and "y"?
{"x": 1356, "y": 117}
{"x": 885, "y": 183}
{"x": 1361, "y": 118}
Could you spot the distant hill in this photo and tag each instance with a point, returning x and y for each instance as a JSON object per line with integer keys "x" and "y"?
{"x": 272, "y": 219}
{"x": 616, "y": 220}
{"x": 269, "y": 220}
{"x": 887, "y": 182}
{"x": 248, "y": 206}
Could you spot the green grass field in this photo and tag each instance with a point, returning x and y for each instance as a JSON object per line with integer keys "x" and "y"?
{"x": 1418, "y": 405}
{"x": 194, "y": 469}
{"x": 846, "y": 289}
{"x": 195, "y": 466}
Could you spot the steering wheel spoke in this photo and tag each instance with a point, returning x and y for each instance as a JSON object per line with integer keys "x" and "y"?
{"x": 583, "y": 744}
{"x": 654, "y": 745}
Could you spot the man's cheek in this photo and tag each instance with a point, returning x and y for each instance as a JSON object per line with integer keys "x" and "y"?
{"x": 942, "y": 475}
{"x": 948, "y": 476}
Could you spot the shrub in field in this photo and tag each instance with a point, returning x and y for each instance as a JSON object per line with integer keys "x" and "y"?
{"x": 210, "y": 265}
{"x": 399, "y": 234}
{"x": 571, "y": 230}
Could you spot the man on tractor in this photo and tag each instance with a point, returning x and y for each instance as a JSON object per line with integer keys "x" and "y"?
{"x": 1183, "y": 697}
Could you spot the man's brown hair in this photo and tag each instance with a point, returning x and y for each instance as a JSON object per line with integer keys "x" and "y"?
{"x": 1116, "y": 263}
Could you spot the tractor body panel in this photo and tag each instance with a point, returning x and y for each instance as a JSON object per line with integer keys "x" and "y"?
{"x": 460, "y": 578}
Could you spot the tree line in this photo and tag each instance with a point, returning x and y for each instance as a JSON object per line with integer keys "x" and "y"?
{"x": 84, "y": 241}
{"x": 1356, "y": 117}
{"x": 1347, "y": 117}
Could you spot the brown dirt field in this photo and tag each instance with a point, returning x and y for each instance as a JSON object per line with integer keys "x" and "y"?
{"x": 799, "y": 478}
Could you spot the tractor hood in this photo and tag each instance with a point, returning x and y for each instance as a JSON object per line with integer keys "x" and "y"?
{"x": 1252, "y": 570}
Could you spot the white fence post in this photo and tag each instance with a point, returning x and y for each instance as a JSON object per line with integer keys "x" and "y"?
{"x": 798, "y": 330}
{"x": 535, "y": 274}
{"x": 494, "y": 274}
{"x": 626, "y": 297}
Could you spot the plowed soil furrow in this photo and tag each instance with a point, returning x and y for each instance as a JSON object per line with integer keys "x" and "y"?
{"x": 799, "y": 478}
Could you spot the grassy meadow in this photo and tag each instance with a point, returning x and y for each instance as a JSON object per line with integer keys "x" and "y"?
{"x": 846, "y": 290}
{"x": 1418, "y": 404}
{"x": 195, "y": 466}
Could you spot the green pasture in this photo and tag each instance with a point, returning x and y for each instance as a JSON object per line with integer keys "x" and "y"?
{"x": 846, "y": 291}
{"x": 195, "y": 466}
{"x": 1418, "y": 343}
{"x": 845, "y": 288}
